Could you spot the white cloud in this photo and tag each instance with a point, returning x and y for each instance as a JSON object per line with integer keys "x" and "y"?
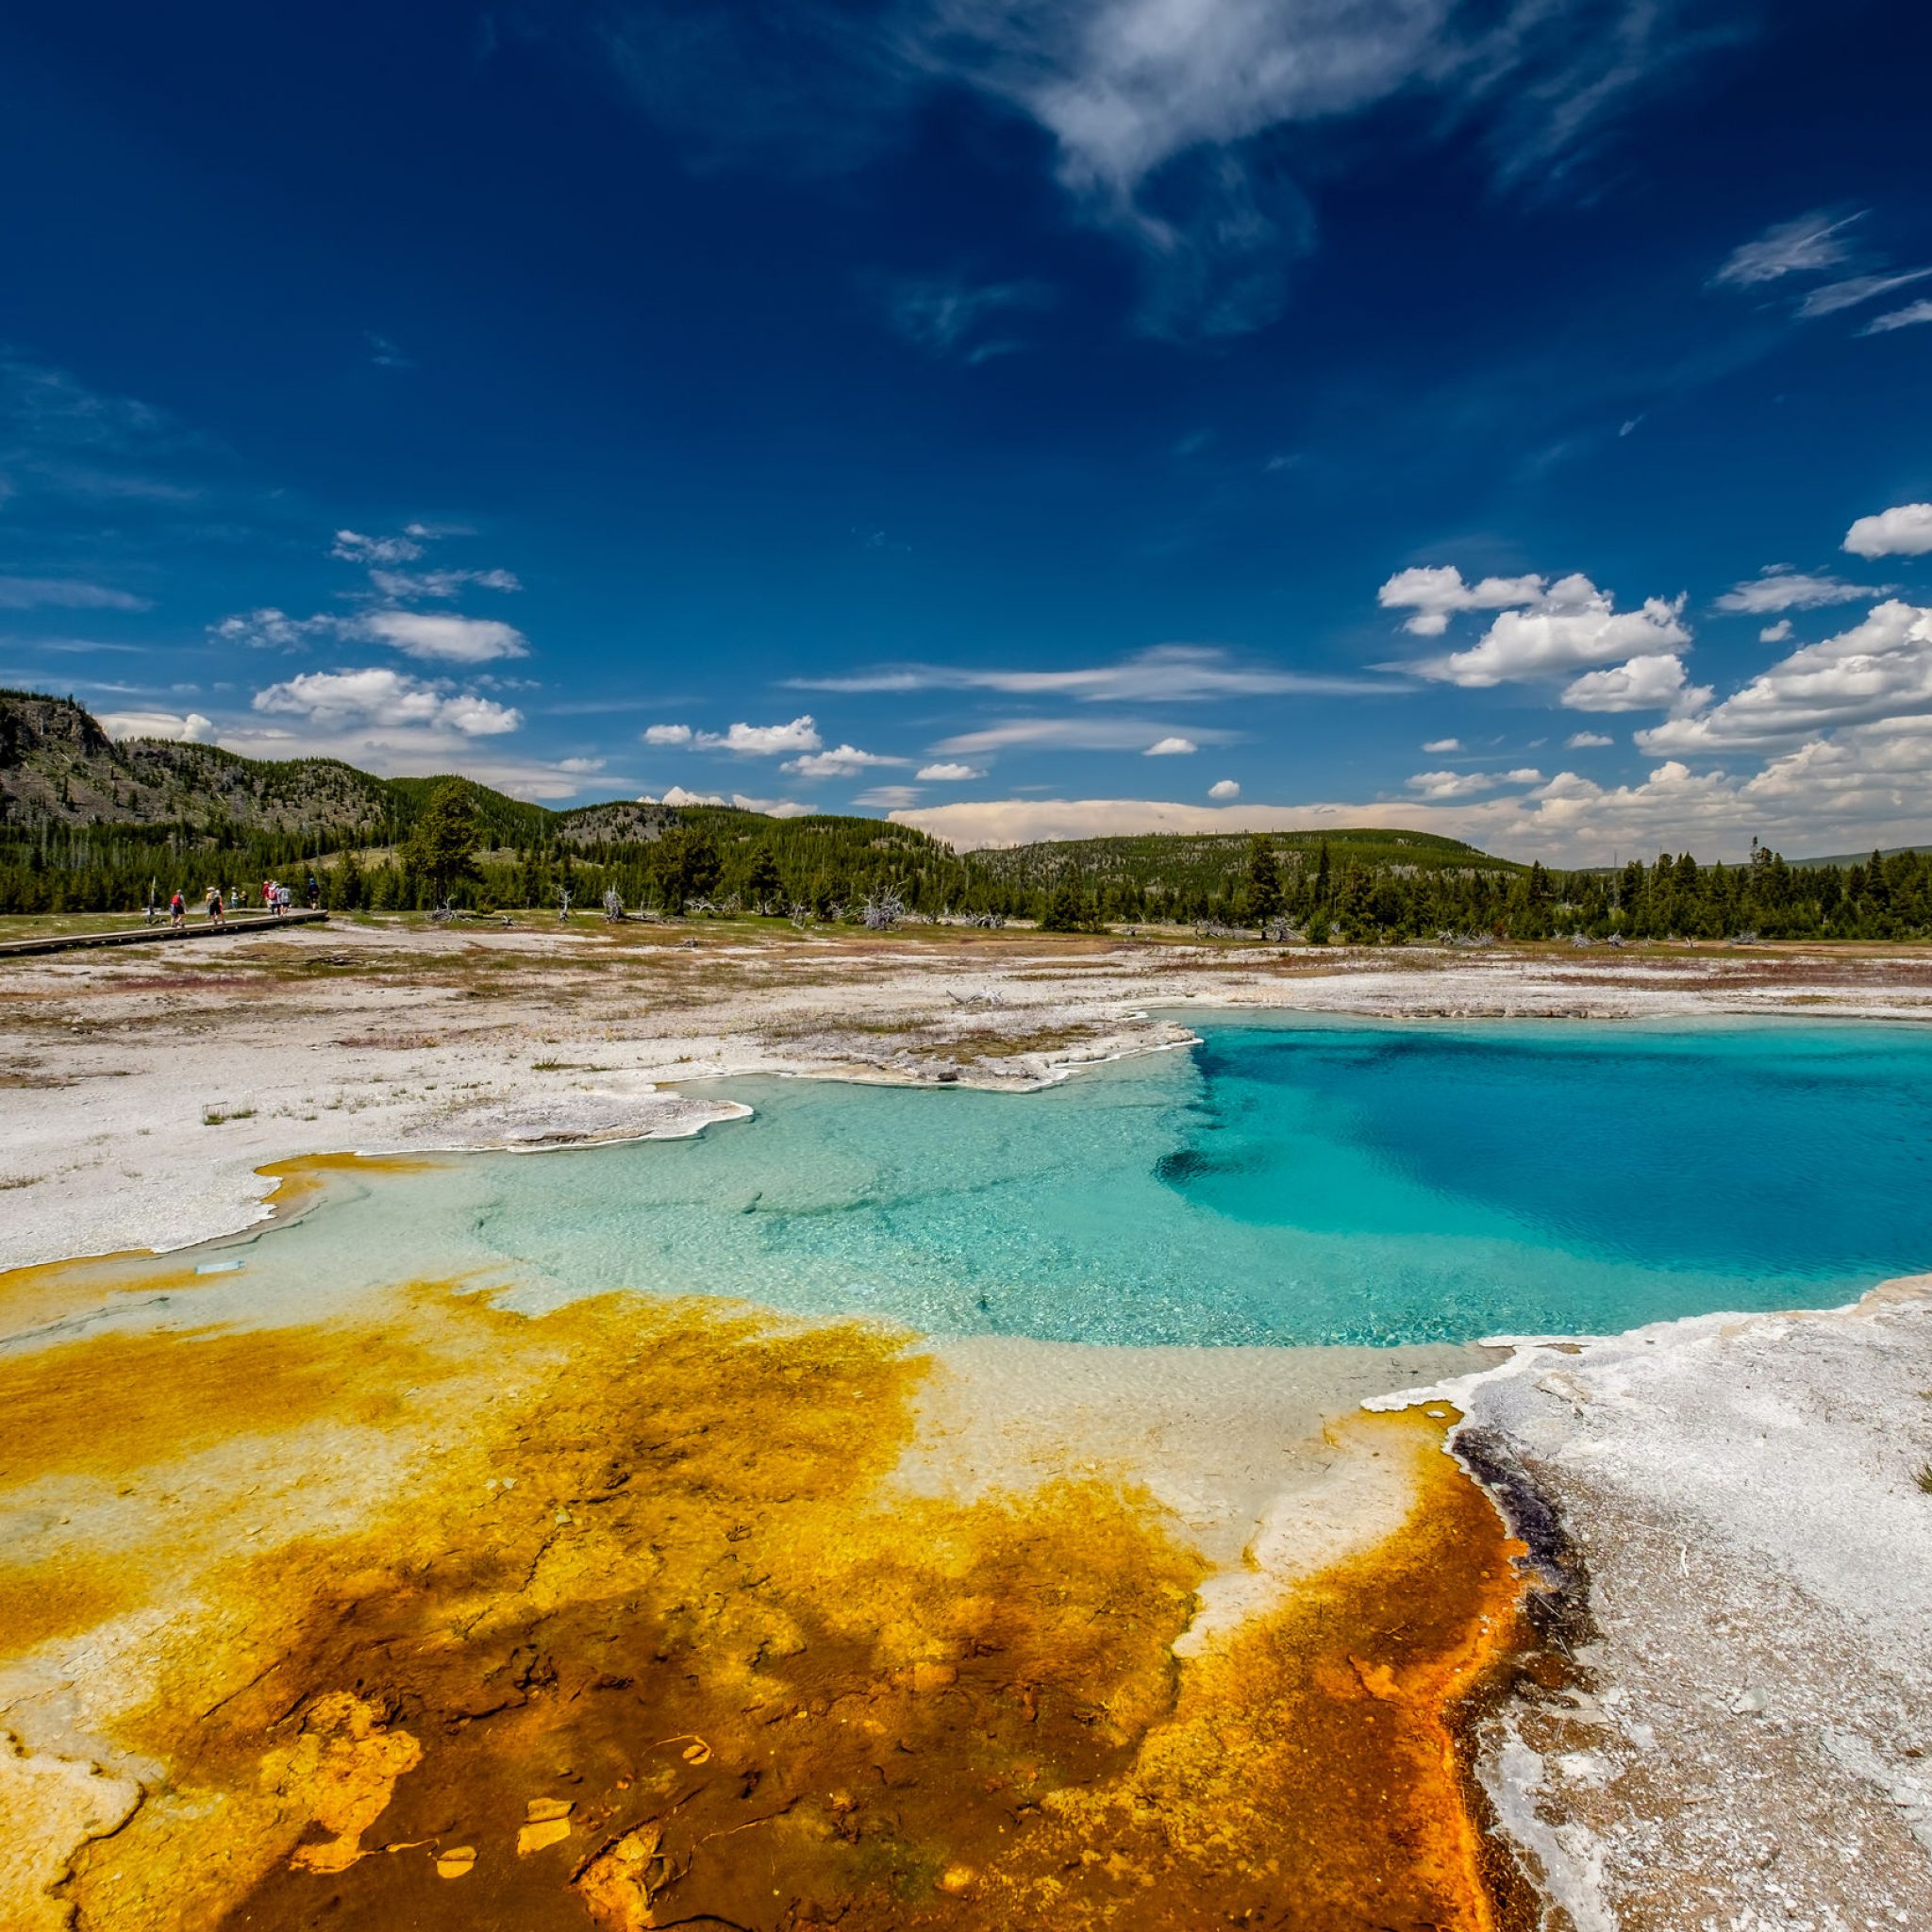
{"x": 1569, "y": 624}
{"x": 1879, "y": 671}
{"x": 762, "y": 740}
{"x": 352, "y": 546}
{"x": 1434, "y": 785}
{"x": 64, "y": 593}
{"x": 1652, "y": 683}
{"x": 666, "y": 734}
{"x": 1904, "y": 530}
{"x": 584, "y": 767}
{"x": 1111, "y": 733}
{"x": 678, "y": 795}
{"x": 1808, "y": 245}
{"x": 191, "y": 728}
{"x": 1439, "y": 745}
{"x": 1435, "y": 592}
{"x": 400, "y": 585}
{"x": 1170, "y": 747}
{"x": 1775, "y": 633}
{"x": 1163, "y": 674}
{"x": 1835, "y": 296}
{"x": 1866, "y": 786}
{"x": 1224, "y": 789}
{"x": 351, "y": 700}
{"x": 894, "y": 796}
{"x": 950, "y": 774}
{"x": 1778, "y": 587}
{"x": 841, "y": 761}
{"x": 442, "y": 638}
{"x": 270, "y": 629}
{"x": 960, "y": 318}
{"x": 1908, "y": 317}
{"x": 1587, "y": 740}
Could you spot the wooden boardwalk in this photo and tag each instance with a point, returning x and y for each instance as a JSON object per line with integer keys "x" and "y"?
{"x": 161, "y": 933}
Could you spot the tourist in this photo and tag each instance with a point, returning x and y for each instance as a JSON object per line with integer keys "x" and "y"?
{"x": 314, "y": 892}
{"x": 215, "y": 915}
{"x": 283, "y": 898}
{"x": 177, "y": 909}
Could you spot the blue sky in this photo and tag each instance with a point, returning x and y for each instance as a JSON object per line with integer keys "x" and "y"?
{"x": 1510, "y": 419}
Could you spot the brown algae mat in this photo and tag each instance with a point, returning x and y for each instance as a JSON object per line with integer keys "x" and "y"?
{"x": 617, "y": 1618}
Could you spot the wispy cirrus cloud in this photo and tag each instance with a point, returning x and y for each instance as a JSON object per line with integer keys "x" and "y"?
{"x": 1855, "y": 290}
{"x": 1806, "y": 244}
{"x": 1077, "y": 734}
{"x": 1910, "y": 316}
{"x": 952, "y": 318}
{"x": 1159, "y": 115}
{"x": 65, "y": 593}
{"x": 1778, "y": 587}
{"x": 1162, "y": 674}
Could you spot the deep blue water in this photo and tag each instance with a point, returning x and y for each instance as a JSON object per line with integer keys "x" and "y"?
{"x": 1286, "y": 1182}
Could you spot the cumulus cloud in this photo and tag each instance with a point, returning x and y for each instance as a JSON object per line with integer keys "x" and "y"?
{"x": 442, "y": 638}
{"x": 270, "y": 629}
{"x": 351, "y": 700}
{"x": 1170, "y": 748}
{"x": 762, "y": 740}
{"x": 1224, "y": 789}
{"x": 1587, "y": 740}
{"x": 64, "y": 593}
{"x": 1778, "y": 587}
{"x": 1467, "y": 784}
{"x": 352, "y": 546}
{"x": 1651, "y": 683}
{"x": 1566, "y": 625}
{"x": 666, "y": 734}
{"x": 182, "y": 728}
{"x": 1433, "y": 592}
{"x": 1775, "y": 633}
{"x": 950, "y": 772}
{"x": 678, "y": 795}
{"x": 1439, "y": 745}
{"x": 1163, "y": 674}
{"x": 1864, "y": 786}
{"x": 1807, "y": 245}
{"x": 841, "y": 761}
{"x": 1904, "y": 530}
{"x": 1908, "y": 317}
{"x": 1880, "y": 670}
{"x": 583, "y": 767}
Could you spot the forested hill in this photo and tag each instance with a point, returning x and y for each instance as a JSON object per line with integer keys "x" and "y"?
{"x": 1213, "y": 863}
{"x": 59, "y": 768}
{"x": 90, "y": 824}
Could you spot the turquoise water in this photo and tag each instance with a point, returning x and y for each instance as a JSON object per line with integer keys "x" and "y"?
{"x": 1284, "y": 1182}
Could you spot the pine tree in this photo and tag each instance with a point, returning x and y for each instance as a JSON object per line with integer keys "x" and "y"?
{"x": 441, "y": 846}
{"x": 1264, "y": 883}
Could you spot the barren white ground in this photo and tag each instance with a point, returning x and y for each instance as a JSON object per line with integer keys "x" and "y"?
{"x": 1746, "y": 1745}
